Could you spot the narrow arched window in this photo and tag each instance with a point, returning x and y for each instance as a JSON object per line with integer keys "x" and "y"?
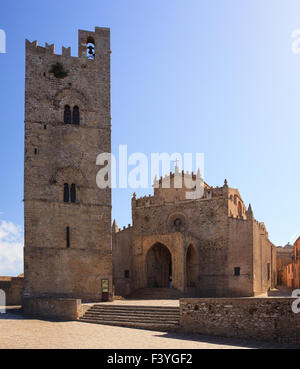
{"x": 68, "y": 237}
{"x": 73, "y": 193}
{"x": 66, "y": 192}
{"x": 67, "y": 115}
{"x": 76, "y": 115}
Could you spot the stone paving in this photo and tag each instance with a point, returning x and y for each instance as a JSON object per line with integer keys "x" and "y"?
{"x": 18, "y": 332}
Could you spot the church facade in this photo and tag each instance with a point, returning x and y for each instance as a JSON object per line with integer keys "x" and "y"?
{"x": 206, "y": 247}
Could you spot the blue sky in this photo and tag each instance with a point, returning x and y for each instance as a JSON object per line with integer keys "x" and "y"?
{"x": 212, "y": 76}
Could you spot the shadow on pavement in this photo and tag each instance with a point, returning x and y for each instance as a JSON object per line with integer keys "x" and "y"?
{"x": 226, "y": 341}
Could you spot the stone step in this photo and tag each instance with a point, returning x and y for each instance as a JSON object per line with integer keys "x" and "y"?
{"x": 133, "y": 310}
{"x": 146, "y": 317}
{"x": 140, "y": 314}
{"x": 139, "y": 318}
{"x": 122, "y": 312}
{"x": 139, "y": 325}
{"x": 136, "y": 307}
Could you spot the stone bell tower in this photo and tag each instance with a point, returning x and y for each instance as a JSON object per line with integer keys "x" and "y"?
{"x": 67, "y": 249}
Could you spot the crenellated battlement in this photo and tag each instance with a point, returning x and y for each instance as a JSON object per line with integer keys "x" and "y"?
{"x": 144, "y": 201}
{"x": 261, "y": 226}
{"x": 173, "y": 187}
{"x": 237, "y": 218}
{"x": 128, "y": 228}
{"x": 47, "y": 49}
{"x": 176, "y": 179}
{"x": 100, "y": 39}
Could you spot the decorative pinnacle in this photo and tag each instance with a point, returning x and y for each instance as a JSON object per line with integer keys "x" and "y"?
{"x": 115, "y": 228}
{"x": 176, "y": 166}
{"x": 249, "y": 211}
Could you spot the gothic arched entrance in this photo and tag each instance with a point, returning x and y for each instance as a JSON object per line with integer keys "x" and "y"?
{"x": 159, "y": 267}
{"x": 191, "y": 267}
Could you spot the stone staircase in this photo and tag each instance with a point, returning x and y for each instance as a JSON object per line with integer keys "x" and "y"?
{"x": 144, "y": 317}
{"x": 156, "y": 294}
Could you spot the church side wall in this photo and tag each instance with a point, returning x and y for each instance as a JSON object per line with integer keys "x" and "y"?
{"x": 123, "y": 272}
{"x": 262, "y": 259}
{"x": 240, "y": 255}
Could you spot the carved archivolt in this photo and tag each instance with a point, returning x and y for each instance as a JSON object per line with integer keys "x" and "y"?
{"x": 71, "y": 96}
{"x": 69, "y": 175}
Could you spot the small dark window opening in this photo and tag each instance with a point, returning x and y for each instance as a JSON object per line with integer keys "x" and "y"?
{"x": 177, "y": 222}
{"x": 66, "y": 192}
{"x": 237, "y": 271}
{"x": 45, "y": 127}
{"x": 76, "y": 116}
{"x": 126, "y": 273}
{"x": 67, "y": 115}
{"x": 35, "y": 151}
{"x": 68, "y": 237}
{"x": 73, "y": 193}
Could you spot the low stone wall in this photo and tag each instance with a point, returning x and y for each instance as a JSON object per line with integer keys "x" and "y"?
{"x": 265, "y": 319}
{"x": 53, "y": 308}
{"x": 13, "y": 287}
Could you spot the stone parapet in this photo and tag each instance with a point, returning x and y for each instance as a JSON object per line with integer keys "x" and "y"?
{"x": 264, "y": 319}
{"x": 53, "y": 308}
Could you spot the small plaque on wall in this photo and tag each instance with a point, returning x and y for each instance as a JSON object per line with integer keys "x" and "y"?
{"x": 105, "y": 289}
{"x": 105, "y": 285}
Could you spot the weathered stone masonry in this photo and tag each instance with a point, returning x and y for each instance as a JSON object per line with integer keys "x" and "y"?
{"x": 13, "y": 287}
{"x": 266, "y": 319}
{"x": 67, "y": 243}
{"x": 210, "y": 247}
